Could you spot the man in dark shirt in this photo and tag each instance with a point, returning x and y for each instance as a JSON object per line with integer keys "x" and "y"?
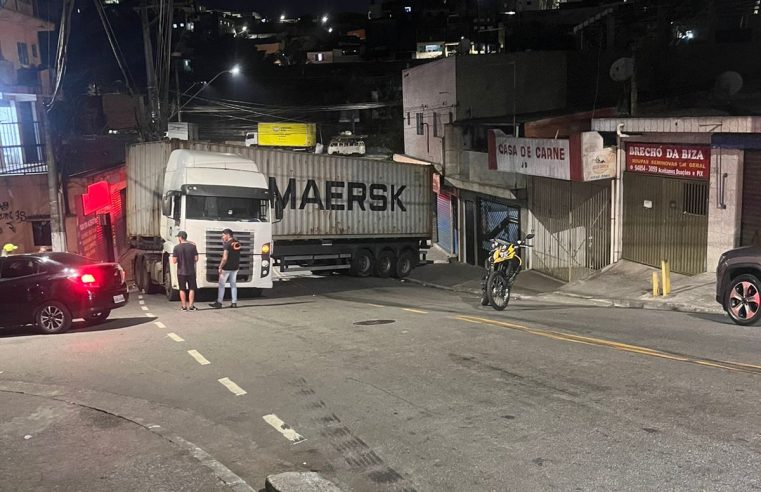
{"x": 185, "y": 256}
{"x": 228, "y": 269}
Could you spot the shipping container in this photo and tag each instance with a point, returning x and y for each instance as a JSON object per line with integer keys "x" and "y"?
{"x": 300, "y": 135}
{"x": 324, "y": 197}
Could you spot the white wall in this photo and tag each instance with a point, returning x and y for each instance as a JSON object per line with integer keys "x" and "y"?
{"x": 724, "y": 224}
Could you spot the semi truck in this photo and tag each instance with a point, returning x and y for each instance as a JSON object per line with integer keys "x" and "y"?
{"x": 290, "y": 211}
{"x": 283, "y": 135}
{"x": 201, "y": 193}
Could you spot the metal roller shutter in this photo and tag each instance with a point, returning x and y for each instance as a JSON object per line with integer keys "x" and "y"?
{"x": 751, "y": 207}
{"x": 444, "y": 222}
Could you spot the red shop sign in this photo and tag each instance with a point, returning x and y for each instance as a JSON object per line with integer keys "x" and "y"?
{"x": 675, "y": 161}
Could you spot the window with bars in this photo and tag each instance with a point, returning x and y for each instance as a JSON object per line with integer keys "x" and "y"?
{"x": 695, "y": 198}
{"x": 23, "y": 53}
{"x": 419, "y": 123}
{"x": 21, "y": 148}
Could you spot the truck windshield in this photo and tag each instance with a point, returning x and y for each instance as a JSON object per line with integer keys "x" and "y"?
{"x": 226, "y": 208}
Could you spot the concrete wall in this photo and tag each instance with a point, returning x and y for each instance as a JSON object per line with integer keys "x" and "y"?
{"x": 428, "y": 89}
{"x": 724, "y": 224}
{"x": 22, "y": 200}
{"x": 485, "y": 84}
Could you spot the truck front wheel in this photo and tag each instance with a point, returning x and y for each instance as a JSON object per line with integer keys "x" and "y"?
{"x": 362, "y": 263}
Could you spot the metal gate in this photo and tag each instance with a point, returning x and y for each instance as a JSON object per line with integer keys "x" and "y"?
{"x": 496, "y": 220}
{"x": 444, "y": 222}
{"x": 571, "y": 227}
{"x": 666, "y": 219}
{"x": 751, "y": 211}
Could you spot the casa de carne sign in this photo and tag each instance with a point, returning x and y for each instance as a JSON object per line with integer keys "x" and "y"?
{"x": 670, "y": 160}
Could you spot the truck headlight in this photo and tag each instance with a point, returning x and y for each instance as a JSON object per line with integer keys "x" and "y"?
{"x": 266, "y": 248}
{"x": 265, "y": 263}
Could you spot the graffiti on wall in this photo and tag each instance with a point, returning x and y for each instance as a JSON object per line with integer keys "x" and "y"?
{"x": 10, "y": 218}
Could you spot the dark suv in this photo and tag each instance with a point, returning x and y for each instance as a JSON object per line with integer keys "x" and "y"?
{"x": 738, "y": 284}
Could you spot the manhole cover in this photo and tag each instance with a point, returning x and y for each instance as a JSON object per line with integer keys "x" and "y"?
{"x": 370, "y": 322}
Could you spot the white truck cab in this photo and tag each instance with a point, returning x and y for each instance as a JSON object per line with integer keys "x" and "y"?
{"x": 205, "y": 193}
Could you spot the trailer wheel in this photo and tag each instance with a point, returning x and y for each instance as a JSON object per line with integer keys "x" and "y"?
{"x": 404, "y": 264}
{"x": 172, "y": 294}
{"x": 385, "y": 264}
{"x": 362, "y": 263}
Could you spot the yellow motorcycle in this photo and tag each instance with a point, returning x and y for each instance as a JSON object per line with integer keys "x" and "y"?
{"x": 502, "y": 268}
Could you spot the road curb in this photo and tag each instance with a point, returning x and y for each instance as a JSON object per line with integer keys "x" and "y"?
{"x": 567, "y": 298}
{"x": 65, "y": 395}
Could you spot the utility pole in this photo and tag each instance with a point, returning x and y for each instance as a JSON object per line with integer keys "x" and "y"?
{"x": 177, "y": 87}
{"x": 57, "y": 229}
{"x": 150, "y": 70}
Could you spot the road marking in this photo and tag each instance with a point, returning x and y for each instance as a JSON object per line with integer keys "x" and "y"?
{"x": 625, "y": 347}
{"x": 176, "y": 337}
{"x": 150, "y": 315}
{"x": 375, "y": 305}
{"x": 234, "y": 388}
{"x": 144, "y": 308}
{"x": 416, "y": 311}
{"x": 141, "y": 302}
{"x": 198, "y": 357}
{"x": 159, "y": 324}
{"x": 139, "y": 297}
{"x": 284, "y": 428}
{"x": 467, "y": 320}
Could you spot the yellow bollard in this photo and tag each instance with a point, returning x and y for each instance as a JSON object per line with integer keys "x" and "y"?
{"x": 665, "y": 277}
{"x": 656, "y": 289}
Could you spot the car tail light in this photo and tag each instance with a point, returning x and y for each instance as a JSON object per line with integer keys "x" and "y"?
{"x": 87, "y": 278}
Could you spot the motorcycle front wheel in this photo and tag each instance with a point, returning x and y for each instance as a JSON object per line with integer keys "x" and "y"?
{"x": 498, "y": 291}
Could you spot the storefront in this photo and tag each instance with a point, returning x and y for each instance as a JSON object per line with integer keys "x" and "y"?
{"x": 666, "y": 192}
{"x": 568, "y": 200}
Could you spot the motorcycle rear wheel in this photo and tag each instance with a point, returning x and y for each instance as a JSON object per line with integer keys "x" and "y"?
{"x": 498, "y": 290}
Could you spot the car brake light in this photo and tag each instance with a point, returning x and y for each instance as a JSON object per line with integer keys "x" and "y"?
{"x": 87, "y": 278}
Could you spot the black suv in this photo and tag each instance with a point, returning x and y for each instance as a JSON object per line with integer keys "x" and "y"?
{"x": 738, "y": 284}
{"x": 50, "y": 289}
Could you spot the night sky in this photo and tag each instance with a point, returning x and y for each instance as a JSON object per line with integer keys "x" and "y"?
{"x": 295, "y": 8}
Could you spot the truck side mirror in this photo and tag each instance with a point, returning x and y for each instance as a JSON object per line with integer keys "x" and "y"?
{"x": 278, "y": 210}
{"x": 166, "y": 205}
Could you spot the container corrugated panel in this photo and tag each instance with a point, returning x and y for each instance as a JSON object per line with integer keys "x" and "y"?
{"x": 146, "y": 164}
{"x": 316, "y": 220}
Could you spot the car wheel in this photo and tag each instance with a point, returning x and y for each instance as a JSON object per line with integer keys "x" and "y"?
{"x": 97, "y": 318}
{"x": 385, "y": 264}
{"x": 172, "y": 294}
{"x": 53, "y": 317}
{"x": 362, "y": 263}
{"x": 404, "y": 264}
{"x": 743, "y": 300}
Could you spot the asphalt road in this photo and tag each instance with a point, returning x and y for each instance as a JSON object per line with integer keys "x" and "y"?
{"x": 382, "y": 385}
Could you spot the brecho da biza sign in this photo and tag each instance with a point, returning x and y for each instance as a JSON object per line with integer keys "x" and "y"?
{"x": 669, "y": 160}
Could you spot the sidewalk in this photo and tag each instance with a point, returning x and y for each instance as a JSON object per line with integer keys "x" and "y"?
{"x": 624, "y": 284}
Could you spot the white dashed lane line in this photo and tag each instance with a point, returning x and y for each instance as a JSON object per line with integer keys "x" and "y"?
{"x": 159, "y": 324}
{"x": 198, "y": 357}
{"x": 141, "y": 302}
{"x": 176, "y": 337}
{"x": 144, "y": 308}
{"x": 230, "y": 385}
{"x": 284, "y": 428}
{"x": 150, "y": 315}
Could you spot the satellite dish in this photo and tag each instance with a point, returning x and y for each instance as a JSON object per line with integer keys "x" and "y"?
{"x": 729, "y": 83}
{"x": 622, "y": 69}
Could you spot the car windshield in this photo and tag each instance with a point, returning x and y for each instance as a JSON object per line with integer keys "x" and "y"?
{"x": 226, "y": 208}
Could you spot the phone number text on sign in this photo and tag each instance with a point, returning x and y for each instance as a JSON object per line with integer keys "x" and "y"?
{"x": 677, "y": 161}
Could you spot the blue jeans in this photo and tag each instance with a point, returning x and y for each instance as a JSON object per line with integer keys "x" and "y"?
{"x": 224, "y": 277}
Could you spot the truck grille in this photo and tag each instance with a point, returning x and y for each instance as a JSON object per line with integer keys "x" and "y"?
{"x": 214, "y": 249}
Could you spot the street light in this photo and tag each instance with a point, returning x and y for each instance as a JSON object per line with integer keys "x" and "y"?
{"x": 235, "y": 70}
{"x": 325, "y": 18}
{"x": 282, "y": 17}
